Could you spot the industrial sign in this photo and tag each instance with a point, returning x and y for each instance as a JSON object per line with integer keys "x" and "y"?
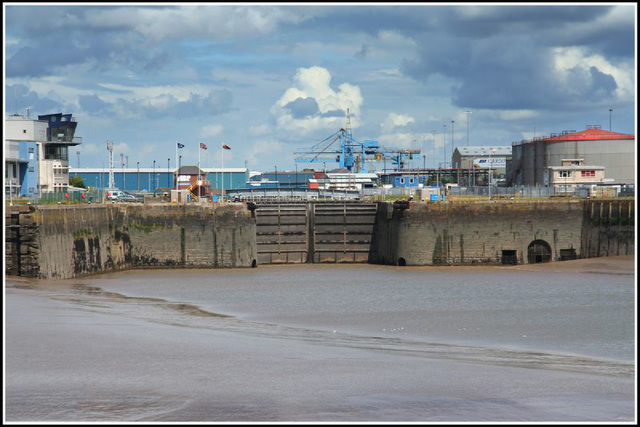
{"x": 494, "y": 162}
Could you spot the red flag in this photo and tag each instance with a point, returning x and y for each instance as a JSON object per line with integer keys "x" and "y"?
{"x": 226, "y": 147}
{"x": 204, "y": 147}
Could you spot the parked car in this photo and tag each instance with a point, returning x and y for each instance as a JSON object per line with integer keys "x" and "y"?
{"x": 126, "y": 197}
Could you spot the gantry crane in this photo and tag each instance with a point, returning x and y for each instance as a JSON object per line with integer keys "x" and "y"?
{"x": 351, "y": 154}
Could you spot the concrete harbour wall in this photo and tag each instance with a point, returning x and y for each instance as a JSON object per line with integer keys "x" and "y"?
{"x": 60, "y": 242}
{"x": 500, "y": 232}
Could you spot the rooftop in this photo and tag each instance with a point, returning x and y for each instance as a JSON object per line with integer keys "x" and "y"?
{"x": 502, "y": 150}
{"x": 592, "y": 133}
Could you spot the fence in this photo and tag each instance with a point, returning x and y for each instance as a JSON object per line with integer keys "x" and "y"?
{"x": 69, "y": 197}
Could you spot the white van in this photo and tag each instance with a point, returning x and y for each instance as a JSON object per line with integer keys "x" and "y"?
{"x": 113, "y": 195}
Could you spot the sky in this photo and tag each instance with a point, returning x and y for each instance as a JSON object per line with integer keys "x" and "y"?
{"x": 272, "y": 79}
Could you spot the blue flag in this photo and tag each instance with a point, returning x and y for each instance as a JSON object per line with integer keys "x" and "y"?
{"x": 180, "y": 145}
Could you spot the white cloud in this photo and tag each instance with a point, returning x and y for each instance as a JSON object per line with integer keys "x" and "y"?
{"x": 401, "y": 140}
{"x": 315, "y": 82}
{"x": 395, "y": 120}
{"x": 259, "y": 130}
{"x": 508, "y": 115}
{"x": 257, "y": 151}
{"x": 568, "y": 59}
{"x": 393, "y": 39}
{"x": 220, "y": 23}
{"x": 211, "y": 131}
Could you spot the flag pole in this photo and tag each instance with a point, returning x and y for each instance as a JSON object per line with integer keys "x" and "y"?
{"x": 222, "y": 170}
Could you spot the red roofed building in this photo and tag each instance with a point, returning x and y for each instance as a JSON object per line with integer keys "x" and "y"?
{"x": 614, "y": 151}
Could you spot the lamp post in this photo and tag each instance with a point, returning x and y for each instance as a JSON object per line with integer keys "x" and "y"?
{"x": 277, "y": 183}
{"x": 452, "y": 122}
{"x": 168, "y": 174}
{"x": 610, "y": 111}
{"x": 468, "y": 112}
{"x": 124, "y": 179}
{"x": 178, "y": 171}
{"x": 491, "y": 150}
{"x": 138, "y": 167}
{"x": 444, "y": 146}
{"x": 433, "y": 148}
{"x": 154, "y": 178}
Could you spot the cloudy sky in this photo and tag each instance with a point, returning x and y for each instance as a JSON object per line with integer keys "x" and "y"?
{"x": 271, "y": 79}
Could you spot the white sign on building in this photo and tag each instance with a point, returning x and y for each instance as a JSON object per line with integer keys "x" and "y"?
{"x": 494, "y": 162}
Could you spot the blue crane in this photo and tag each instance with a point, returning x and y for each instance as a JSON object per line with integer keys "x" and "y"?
{"x": 351, "y": 154}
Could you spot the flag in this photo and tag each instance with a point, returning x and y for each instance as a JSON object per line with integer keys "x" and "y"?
{"x": 180, "y": 145}
{"x": 204, "y": 147}
{"x": 226, "y": 147}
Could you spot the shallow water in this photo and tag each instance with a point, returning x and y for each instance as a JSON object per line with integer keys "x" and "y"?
{"x": 587, "y": 314}
{"x": 323, "y": 343}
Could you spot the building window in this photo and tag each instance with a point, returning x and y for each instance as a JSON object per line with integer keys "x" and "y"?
{"x": 565, "y": 174}
{"x": 55, "y": 152}
{"x": 587, "y": 174}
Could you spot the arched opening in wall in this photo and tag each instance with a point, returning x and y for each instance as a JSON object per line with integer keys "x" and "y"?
{"x": 254, "y": 263}
{"x": 509, "y": 256}
{"x": 539, "y": 251}
{"x": 402, "y": 262}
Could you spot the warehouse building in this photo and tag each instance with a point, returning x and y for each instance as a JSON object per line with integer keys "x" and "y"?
{"x": 477, "y": 161}
{"x": 159, "y": 180}
{"x": 532, "y": 160}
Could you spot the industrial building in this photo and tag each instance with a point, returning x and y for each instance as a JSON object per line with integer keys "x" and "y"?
{"x": 532, "y": 159}
{"x": 479, "y": 160}
{"x": 37, "y": 153}
{"x": 160, "y": 180}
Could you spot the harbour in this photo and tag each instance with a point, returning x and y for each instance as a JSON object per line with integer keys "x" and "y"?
{"x": 409, "y": 214}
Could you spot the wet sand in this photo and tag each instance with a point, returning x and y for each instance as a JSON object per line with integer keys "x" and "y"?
{"x": 77, "y": 353}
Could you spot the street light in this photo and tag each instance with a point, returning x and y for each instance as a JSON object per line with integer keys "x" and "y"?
{"x": 610, "y": 111}
{"x": 138, "y": 167}
{"x": 452, "y": 122}
{"x": 491, "y": 150}
{"x": 444, "y": 146}
{"x": 154, "y": 178}
{"x": 468, "y": 112}
{"x": 433, "y": 148}
{"x": 124, "y": 179}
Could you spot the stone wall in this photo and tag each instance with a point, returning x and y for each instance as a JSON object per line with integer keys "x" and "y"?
{"x": 609, "y": 228}
{"x": 496, "y": 232}
{"x": 189, "y": 235}
{"x": 60, "y": 242}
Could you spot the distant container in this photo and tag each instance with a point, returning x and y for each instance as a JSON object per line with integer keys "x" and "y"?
{"x": 430, "y": 194}
{"x": 180, "y": 196}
